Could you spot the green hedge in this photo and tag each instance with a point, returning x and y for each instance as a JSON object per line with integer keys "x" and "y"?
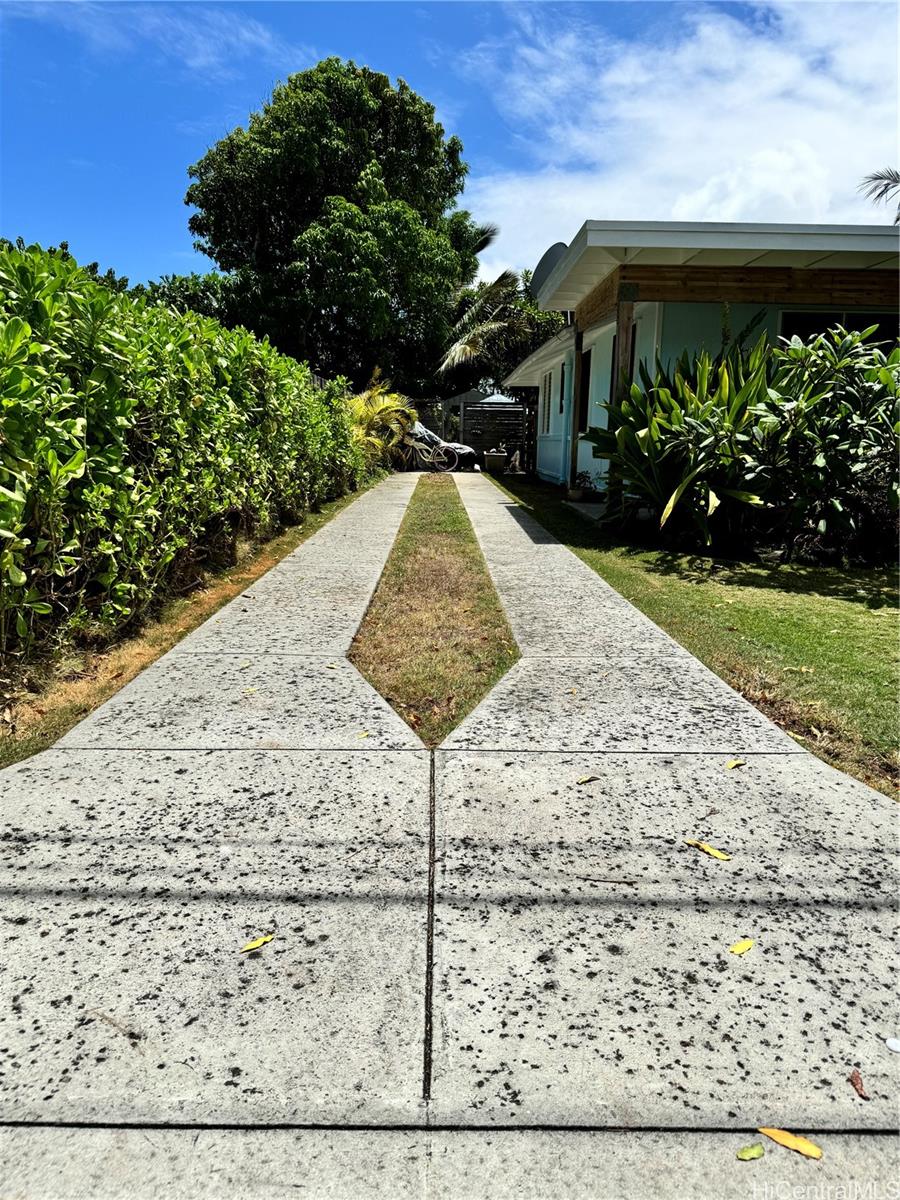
{"x": 134, "y": 438}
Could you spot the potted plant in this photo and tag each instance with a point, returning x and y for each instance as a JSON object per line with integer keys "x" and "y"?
{"x": 495, "y": 460}
{"x": 584, "y": 481}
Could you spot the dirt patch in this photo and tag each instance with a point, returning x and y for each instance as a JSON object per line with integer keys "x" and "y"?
{"x": 822, "y": 734}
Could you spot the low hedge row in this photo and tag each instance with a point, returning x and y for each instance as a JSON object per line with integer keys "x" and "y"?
{"x": 133, "y": 439}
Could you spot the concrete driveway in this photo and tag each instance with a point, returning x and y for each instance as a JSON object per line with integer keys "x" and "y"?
{"x": 497, "y": 969}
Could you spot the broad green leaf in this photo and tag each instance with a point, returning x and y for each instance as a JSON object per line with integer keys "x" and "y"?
{"x": 676, "y": 496}
{"x": 746, "y": 497}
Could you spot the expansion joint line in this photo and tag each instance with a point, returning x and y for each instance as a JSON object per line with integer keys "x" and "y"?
{"x": 429, "y": 941}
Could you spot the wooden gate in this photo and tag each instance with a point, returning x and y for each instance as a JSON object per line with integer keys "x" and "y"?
{"x": 488, "y": 426}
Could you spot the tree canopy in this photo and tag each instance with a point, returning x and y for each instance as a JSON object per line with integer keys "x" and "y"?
{"x": 334, "y": 214}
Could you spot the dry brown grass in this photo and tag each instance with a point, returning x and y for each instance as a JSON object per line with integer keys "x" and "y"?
{"x": 435, "y": 639}
{"x": 40, "y": 705}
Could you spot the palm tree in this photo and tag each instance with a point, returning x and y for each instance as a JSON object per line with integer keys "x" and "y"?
{"x": 883, "y": 186}
{"x": 380, "y": 419}
{"x": 491, "y": 310}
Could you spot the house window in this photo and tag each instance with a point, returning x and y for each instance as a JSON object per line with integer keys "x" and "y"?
{"x": 808, "y": 324}
{"x": 546, "y": 383}
{"x": 562, "y": 385}
{"x": 584, "y": 391}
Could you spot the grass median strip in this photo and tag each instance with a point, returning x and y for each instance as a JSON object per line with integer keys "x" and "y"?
{"x": 435, "y": 639}
{"x": 814, "y": 648}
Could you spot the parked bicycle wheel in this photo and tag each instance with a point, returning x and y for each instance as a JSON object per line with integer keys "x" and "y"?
{"x": 444, "y": 459}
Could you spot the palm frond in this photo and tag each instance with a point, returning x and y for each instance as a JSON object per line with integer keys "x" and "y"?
{"x": 882, "y": 186}
{"x": 470, "y": 345}
{"x": 490, "y": 311}
{"x": 380, "y": 418}
{"x": 483, "y": 236}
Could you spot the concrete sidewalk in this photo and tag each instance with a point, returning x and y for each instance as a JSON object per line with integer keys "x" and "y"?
{"x": 488, "y": 978}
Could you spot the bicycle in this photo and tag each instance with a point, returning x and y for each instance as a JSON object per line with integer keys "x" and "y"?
{"x": 432, "y": 458}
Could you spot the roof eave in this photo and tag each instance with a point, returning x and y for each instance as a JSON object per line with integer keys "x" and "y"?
{"x": 614, "y": 243}
{"x": 527, "y": 373}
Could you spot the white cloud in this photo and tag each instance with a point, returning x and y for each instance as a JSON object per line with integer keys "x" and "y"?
{"x": 211, "y": 41}
{"x": 770, "y": 112}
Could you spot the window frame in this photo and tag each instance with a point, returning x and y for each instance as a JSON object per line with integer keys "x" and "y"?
{"x": 546, "y": 388}
{"x": 583, "y": 399}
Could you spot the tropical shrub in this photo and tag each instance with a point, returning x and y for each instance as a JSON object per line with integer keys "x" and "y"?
{"x": 380, "y": 418}
{"x": 827, "y": 439}
{"x": 132, "y": 438}
{"x": 797, "y": 442}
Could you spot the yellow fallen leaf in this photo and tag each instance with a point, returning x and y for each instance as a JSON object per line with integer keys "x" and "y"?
{"x": 735, "y": 762}
{"x": 250, "y": 691}
{"x": 587, "y": 779}
{"x": 331, "y": 666}
{"x": 707, "y": 849}
{"x": 793, "y": 1142}
{"x": 257, "y": 942}
{"x": 365, "y": 733}
{"x": 573, "y": 691}
{"x": 742, "y": 946}
{"x": 244, "y": 666}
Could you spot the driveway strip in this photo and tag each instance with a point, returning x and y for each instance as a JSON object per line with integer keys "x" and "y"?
{"x": 235, "y": 789}
{"x": 583, "y": 973}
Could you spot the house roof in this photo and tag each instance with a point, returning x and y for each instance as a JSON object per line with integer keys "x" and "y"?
{"x": 472, "y": 396}
{"x": 530, "y": 369}
{"x": 600, "y": 247}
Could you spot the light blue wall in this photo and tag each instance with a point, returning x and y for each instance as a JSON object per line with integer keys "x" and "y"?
{"x": 552, "y": 448}
{"x": 699, "y": 326}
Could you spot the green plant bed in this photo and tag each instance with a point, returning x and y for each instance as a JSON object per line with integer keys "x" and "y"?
{"x": 793, "y": 444}
{"x": 815, "y": 648}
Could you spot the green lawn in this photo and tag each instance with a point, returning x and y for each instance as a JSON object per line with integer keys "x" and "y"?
{"x": 814, "y": 648}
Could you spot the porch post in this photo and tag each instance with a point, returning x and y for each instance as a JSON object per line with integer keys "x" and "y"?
{"x": 624, "y": 331}
{"x": 574, "y": 409}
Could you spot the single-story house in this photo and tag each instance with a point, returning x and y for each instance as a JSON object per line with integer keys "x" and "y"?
{"x": 635, "y": 291}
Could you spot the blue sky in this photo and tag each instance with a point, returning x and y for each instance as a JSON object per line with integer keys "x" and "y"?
{"x": 756, "y": 111}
